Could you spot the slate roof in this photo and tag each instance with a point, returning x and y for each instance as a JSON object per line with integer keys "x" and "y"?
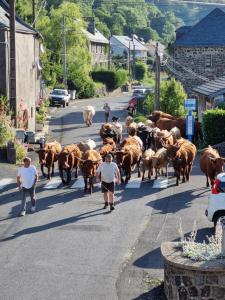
{"x": 207, "y": 32}
{"x": 98, "y": 37}
{"x": 126, "y": 41}
{"x": 212, "y": 89}
{"x": 21, "y": 26}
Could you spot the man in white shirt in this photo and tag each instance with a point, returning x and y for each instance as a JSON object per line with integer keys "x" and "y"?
{"x": 109, "y": 174}
{"x": 26, "y": 180}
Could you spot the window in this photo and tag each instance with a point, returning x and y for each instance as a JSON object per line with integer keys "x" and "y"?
{"x": 208, "y": 60}
{"x": 96, "y": 49}
{"x": 101, "y": 48}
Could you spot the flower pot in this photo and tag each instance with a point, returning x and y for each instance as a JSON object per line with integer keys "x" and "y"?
{"x": 3, "y": 154}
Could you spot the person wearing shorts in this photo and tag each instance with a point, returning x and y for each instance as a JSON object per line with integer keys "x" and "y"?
{"x": 107, "y": 112}
{"x": 109, "y": 173}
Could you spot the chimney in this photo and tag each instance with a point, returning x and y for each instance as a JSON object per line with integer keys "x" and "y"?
{"x": 91, "y": 26}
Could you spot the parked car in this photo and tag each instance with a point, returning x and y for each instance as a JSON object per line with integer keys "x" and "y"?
{"x": 216, "y": 200}
{"x": 59, "y": 97}
{"x": 138, "y": 92}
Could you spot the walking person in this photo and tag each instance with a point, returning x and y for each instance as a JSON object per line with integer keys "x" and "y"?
{"x": 26, "y": 180}
{"x": 107, "y": 110}
{"x": 109, "y": 174}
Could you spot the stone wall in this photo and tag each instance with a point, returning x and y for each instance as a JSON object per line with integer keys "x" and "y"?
{"x": 185, "y": 279}
{"x": 197, "y": 60}
{"x": 99, "y": 53}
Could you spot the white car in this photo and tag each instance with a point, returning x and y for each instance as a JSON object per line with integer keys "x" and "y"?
{"x": 59, "y": 97}
{"x": 216, "y": 200}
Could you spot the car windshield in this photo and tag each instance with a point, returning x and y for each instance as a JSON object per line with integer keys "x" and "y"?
{"x": 59, "y": 92}
{"x": 138, "y": 91}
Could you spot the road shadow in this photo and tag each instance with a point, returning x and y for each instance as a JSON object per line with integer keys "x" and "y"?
{"x": 55, "y": 224}
{"x": 156, "y": 293}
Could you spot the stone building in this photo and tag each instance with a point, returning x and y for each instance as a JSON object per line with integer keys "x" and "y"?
{"x": 198, "y": 52}
{"x": 27, "y": 67}
{"x": 98, "y": 46}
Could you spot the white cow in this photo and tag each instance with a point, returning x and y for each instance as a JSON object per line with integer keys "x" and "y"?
{"x": 88, "y": 114}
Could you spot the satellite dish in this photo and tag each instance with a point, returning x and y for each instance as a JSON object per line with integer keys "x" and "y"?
{"x": 42, "y": 48}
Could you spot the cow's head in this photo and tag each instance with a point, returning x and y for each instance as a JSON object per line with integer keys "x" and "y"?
{"x": 64, "y": 160}
{"x": 217, "y": 164}
{"x": 42, "y": 153}
{"x": 171, "y": 150}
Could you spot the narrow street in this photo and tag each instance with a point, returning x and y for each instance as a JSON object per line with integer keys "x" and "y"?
{"x": 73, "y": 249}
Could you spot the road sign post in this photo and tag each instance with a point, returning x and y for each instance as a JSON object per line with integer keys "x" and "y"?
{"x": 190, "y": 106}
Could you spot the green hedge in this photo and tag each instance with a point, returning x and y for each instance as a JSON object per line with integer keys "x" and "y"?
{"x": 213, "y": 126}
{"x": 111, "y": 78}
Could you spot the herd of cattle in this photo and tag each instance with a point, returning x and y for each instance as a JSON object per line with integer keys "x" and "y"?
{"x": 149, "y": 146}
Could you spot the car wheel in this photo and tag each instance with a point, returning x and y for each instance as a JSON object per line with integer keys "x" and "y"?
{"x": 64, "y": 104}
{"x": 217, "y": 216}
{"x": 67, "y": 104}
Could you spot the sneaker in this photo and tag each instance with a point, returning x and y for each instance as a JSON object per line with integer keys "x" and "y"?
{"x": 105, "y": 206}
{"x": 112, "y": 207}
{"x": 33, "y": 209}
{"x": 23, "y": 213}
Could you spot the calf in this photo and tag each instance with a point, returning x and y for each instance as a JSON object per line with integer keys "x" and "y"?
{"x": 88, "y": 114}
{"x": 68, "y": 160}
{"x": 162, "y": 137}
{"x": 211, "y": 164}
{"x": 48, "y": 156}
{"x": 89, "y": 164}
{"x": 147, "y": 163}
{"x": 160, "y": 161}
{"x": 86, "y": 145}
{"x": 127, "y": 159}
{"x": 106, "y": 149}
{"x": 146, "y": 135}
{"x": 182, "y": 155}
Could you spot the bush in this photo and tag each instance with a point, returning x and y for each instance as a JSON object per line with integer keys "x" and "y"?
{"x": 21, "y": 152}
{"x": 149, "y": 103}
{"x": 111, "y": 78}
{"x": 172, "y": 97}
{"x": 140, "y": 118}
{"x": 221, "y": 105}
{"x": 4, "y": 104}
{"x": 140, "y": 70}
{"x": 213, "y": 126}
{"x": 6, "y": 133}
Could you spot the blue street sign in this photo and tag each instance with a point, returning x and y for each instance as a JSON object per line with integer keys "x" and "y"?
{"x": 190, "y": 104}
{"x": 190, "y": 125}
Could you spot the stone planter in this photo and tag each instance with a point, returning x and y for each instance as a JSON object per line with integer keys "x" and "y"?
{"x": 185, "y": 279}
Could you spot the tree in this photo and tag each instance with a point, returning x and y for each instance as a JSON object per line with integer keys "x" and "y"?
{"x": 172, "y": 97}
{"x": 140, "y": 70}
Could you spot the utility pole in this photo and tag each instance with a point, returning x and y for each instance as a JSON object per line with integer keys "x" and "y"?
{"x": 12, "y": 75}
{"x": 129, "y": 64}
{"x": 64, "y": 52}
{"x": 157, "y": 78}
{"x": 33, "y": 13}
{"x": 134, "y": 60}
{"x": 109, "y": 55}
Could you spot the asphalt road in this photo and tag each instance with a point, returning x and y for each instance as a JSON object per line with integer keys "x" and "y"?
{"x": 73, "y": 249}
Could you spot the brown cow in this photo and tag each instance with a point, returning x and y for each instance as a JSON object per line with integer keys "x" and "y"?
{"x": 182, "y": 154}
{"x": 147, "y": 163}
{"x": 105, "y": 149}
{"x": 48, "y": 156}
{"x": 162, "y": 137}
{"x": 68, "y": 160}
{"x": 168, "y": 124}
{"x": 130, "y": 141}
{"x": 160, "y": 161}
{"x": 89, "y": 164}
{"x": 127, "y": 159}
{"x": 157, "y": 114}
{"x": 211, "y": 164}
